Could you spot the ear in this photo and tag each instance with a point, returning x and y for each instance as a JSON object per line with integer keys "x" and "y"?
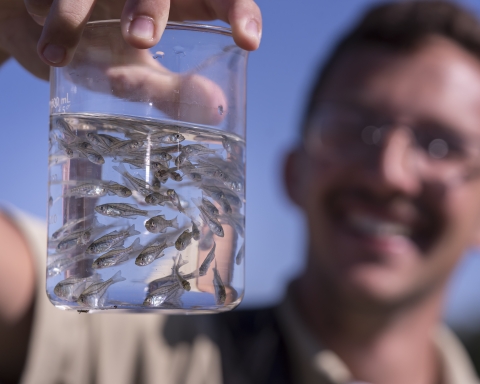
{"x": 293, "y": 174}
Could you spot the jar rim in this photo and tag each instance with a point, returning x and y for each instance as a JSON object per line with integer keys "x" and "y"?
{"x": 178, "y": 25}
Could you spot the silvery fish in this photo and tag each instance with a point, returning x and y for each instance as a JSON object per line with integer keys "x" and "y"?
{"x": 227, "y": 144}
{"x": 118, "y": 189}
{"x": 151, "y": 253}
{"x": 140, "y": 185}
{"x": 220, "y": 293}
{"x": 100, "y": 142}
{"x": 162, "y": 156}
{"x": 71, "y": 288}
{"x": 91, "y": 155}
{"x": 157, "y": 198}
{"x": 170, "y": 279}
{"x": 171, "y": 173}
{"x": 73, "y": 239}
{"x": 59, "y": 265}
{"x": 195, "y": 231}
{"x": 240, "y": 255}
{"x": 175, "y": 199}
{"x": 218, "y": 195}
{"x": 158, "y": 224}
{"x": 231, "y": 197}
{"x": 111, "y": 140}
{"x": 87, "y": 190}
{"x": 142, "y": 162}
{"x": 211, "y": 221}
{"x": 68, "y": 226}
{"x": 108, "y": 241}
{"x": 115, "y": 256}
{"x": 160, "y": 295}
{"x": 210, "y": 207}
{"x": 184, "y": 240}
{"x": 202, "y": 271}
{"x": 181, "y": 281}
{"x": 125, "y": 146}
{"x": 66, "y": 130}
{"x": 169, "y": 139}
{"x": 94, "y": 295}
{"x": 122, "y": 210}
{"x": 170, "y": 149}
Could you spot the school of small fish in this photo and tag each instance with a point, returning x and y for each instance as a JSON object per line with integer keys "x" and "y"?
{"x": 152, "y": 164}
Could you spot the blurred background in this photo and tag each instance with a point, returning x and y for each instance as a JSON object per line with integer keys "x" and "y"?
{"x": 295, "y": 40}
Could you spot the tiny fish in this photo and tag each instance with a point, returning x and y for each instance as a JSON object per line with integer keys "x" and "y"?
{"x": 202, "y": 271}
{"x": 175, "y": 199}
{"x": 240, "y": 255}
{"x": 125, "y": 146}
{"x": 102, "y": 143}
{"x": 157, "y": 198}
{"x": 160, "y": 295}
{"x": 211, "y": 221}
{"x": 227, "y": 144}
{"x": 108, "y": 241}
{"x": 118, "y": 189}
{"x": 170, "y": 149}
{"x": 87, "y": 190}
{"x": 115, "y": 256}
{"x": 121, "y": 210}
{"x": 160, "y": 156}
{"x": 94, "y": 295}
{"x": 110, "y": 139}
{"x": 195, "y": 231}
{"x": 75, "y": 238}
{"x": 220, "y": 293}
{"x": 170, "y": 139}
{"x": 91, "y": 155}
{"x": 71, "y": 288}
{"x": 158, "y": 224}
{"x": 184, "y": 240}
{"x": 181, "y": 281}
{"x": 68, "y": 226}
{"x": 66, "y": 130}
{"x": 171, "y": 173}
{"x": 59, "y": 265}
{"x": 140, "y": 185}
{"x": 218, "y": 195}
{"x": 151, "y": 253}
{"x": 211, "y": 209}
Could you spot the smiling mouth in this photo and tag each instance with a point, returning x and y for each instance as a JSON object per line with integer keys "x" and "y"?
{"x": 371, "y": 226}
{"x": 377, "y": 222}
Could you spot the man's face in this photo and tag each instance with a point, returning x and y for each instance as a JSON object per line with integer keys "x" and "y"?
{"x": 390, "y": 217}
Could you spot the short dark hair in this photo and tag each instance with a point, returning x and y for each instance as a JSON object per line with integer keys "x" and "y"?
{"x": 402, "y": 26}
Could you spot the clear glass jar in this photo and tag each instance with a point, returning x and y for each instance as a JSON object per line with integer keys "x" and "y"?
{"x": 147, "y": 173}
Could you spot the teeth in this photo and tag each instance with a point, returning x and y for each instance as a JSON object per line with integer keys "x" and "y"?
{"x": 375, "y": 227}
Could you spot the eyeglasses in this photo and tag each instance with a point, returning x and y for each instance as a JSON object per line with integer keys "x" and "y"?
{"x": 349, "y": 133}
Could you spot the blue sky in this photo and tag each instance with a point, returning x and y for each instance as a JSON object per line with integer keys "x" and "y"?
{"x": 295, "y": 39}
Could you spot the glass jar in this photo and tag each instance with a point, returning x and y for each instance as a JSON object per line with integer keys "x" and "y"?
{"x": 147, "y": 173}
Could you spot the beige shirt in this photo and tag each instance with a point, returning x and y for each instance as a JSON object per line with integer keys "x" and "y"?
{"x": 121, "y": 348}
{"x": 314, "y": 364}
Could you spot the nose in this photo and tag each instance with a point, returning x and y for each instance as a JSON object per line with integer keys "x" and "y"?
{"x": 395, "y": 167}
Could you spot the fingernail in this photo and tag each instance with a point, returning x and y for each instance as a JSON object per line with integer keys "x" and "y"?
{"x": 252, "y": 28}
{"x": 54, "y": 53}
{"x": 38, "y": 19}
{"x": 142, "y": 27}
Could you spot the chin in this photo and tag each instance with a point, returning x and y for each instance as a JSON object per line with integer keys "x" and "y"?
{"x": 376, "y": 286}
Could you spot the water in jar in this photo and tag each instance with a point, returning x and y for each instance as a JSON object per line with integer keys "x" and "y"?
{"x": 144, "y": 215}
